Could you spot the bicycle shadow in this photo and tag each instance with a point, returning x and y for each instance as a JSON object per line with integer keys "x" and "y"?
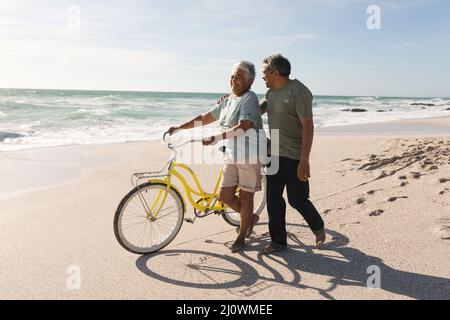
{"x": 345, "y": 265}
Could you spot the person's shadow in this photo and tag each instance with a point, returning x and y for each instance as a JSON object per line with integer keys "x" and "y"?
{"x": 345, "y": 265}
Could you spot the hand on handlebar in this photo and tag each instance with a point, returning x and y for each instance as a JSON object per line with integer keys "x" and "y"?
{"x": 209, "y": 141}
{"x": 169, "y": 132}
{"x": 172, "y": 130}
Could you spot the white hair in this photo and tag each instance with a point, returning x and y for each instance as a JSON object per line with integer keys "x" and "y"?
{"x": 248, "y": 67}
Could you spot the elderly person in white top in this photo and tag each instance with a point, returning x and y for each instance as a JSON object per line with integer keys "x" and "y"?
{"x": 237, "y": 112}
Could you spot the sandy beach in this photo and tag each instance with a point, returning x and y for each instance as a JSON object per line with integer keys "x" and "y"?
{"x": 383, "y": 191}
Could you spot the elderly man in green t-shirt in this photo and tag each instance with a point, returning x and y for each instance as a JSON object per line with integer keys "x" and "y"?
{"x": 288, "y": 104}
{"x": 237, "y": 113}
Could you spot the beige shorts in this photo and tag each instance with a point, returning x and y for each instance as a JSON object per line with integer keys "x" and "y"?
{"x": 246, "y": 176}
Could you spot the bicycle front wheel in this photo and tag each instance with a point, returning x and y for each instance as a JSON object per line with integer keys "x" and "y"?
{"x": 234, "y": 218}
{"x": 148, "y": 218}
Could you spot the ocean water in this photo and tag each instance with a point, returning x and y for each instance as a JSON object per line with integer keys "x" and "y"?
{"x": 41, "y": 118}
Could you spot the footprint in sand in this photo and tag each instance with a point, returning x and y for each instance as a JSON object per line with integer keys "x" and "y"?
{"x": 402, "y": 177}
{"x": 350, "y": 223}
{"x": 403, "y": 184}
{"x": 360, "y": 200}
{"x": 376, "y": 213}
{"x": 443, "y": 191}
{"x": 327, "y": 211}
{"x": 444, "y": 180}
{"x": 372, "y": 192}
{"x": 443, "y": 229}
{"x": 382, "y": 175}
{"x": 392, "y": 199}
{"x": 416, "y": 175}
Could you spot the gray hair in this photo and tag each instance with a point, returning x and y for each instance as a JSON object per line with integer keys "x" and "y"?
{"x": 248, "y": 67}
{"x": 277, "y": 62}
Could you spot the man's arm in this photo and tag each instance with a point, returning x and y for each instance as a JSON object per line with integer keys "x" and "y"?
{"x": 303, "y": 170}
{"x": 205, "y": 119}
{"x": 263, "y": 106}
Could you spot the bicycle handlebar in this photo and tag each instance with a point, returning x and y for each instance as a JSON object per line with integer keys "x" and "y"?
{"x": 164, "y": 136}
{"x": 172, "y": 146}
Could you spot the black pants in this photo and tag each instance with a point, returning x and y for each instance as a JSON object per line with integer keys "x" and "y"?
{"x": 298, "y": 198}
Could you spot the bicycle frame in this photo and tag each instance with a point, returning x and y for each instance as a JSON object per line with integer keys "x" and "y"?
{"x": 203, "y": 195}
{"x": 211, "y": 199}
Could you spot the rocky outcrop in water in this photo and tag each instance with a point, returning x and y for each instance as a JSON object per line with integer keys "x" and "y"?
{"x": 354, "y": 110}
{"x": 11, "y": 135}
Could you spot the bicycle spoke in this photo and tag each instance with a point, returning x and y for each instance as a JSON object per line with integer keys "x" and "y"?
{"x": 135, "y": 228}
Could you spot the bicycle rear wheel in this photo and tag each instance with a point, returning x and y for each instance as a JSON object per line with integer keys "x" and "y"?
{"x": 148, "y": 218}
{"x": 234, "y": 218}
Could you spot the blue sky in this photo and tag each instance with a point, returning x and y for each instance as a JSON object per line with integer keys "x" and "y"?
{"x": 191, "y": 45}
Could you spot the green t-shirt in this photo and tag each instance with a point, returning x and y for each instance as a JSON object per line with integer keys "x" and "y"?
{"x": 284, "y": 108}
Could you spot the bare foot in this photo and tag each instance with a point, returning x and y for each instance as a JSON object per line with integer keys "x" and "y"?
{"x": 237, "y": 246}
{"x": 272, "y": 248}
{"x": 320, "y": 238}
{"x": 252, "y": 225}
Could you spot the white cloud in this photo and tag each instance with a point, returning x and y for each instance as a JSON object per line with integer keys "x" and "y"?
{"x": 49, "y": 64}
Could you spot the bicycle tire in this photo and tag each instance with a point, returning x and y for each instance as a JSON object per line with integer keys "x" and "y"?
{"x": 124, "y": 203}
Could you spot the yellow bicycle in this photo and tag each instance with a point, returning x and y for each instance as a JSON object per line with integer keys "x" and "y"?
{"x": 150, "y": 216}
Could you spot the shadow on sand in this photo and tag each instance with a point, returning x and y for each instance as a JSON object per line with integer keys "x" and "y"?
{"x": 345, "y": 266}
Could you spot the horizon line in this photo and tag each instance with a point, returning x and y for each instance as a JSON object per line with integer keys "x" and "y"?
{"x": 197, "y": 92}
